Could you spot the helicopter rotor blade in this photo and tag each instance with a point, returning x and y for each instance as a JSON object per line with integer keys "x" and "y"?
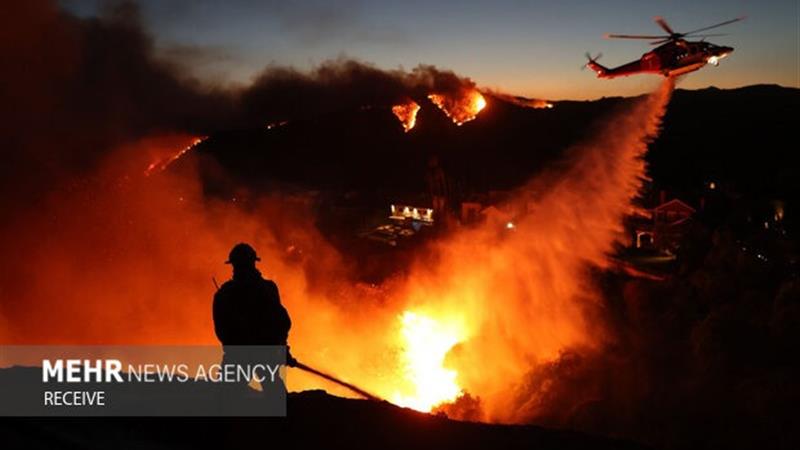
{"x": 717, "y": 25}
{"x": 673, "y": 36}
{"x": 663, "y": 24}
{"x": 708, "y": 35}
{"x": 632, "y": 36}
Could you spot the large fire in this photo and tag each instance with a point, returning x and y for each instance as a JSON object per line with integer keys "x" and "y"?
{"x": 407, "y": 114}
{"x": 426, "y": 343}
{"x": 502, "y": 301}
{"x": 486, "y": 313}
{"x": 460, "y": 109}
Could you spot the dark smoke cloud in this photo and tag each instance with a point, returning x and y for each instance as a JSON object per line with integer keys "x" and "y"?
{"x": 280, "y": 92}
{"x": 74, "y": 88}
{"x": 95, "y": 244}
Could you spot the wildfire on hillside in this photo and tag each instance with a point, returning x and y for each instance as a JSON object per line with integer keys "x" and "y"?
{"x": 462, "y": 108}
{"x": 407, "y": 114}
{"x": 162, "y": 163}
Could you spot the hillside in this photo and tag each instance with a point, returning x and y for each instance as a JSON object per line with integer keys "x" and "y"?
{"x": 738, "y": 135}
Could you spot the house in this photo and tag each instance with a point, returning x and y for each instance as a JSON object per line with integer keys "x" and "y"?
{"x": 405, "y": 213}
{"x": 663, "y": 226}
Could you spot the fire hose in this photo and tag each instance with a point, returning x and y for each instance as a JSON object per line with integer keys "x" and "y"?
{"x": 331, "y": 378}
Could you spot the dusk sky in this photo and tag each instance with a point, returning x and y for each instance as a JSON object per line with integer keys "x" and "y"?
{"x": 532, "y": 48}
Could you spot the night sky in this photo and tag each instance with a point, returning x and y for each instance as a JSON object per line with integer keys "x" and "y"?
{"x": 528, "y": 48}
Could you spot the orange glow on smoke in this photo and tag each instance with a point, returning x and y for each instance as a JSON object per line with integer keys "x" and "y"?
{"x": 407, "y": 114}
{"x": 460, "y": 109}
{"x": 502, "y": 301}
{"x": 484, "y": 314}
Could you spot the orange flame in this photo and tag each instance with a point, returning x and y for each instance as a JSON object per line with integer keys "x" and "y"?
{"x": 407, "y": 114}
{"x": 519, "y": 295}
{"x": 164, "y": 162}
{"x": 426, "y": 342}
{"x": 460, "y": 109}
{"x": 481, "y": 317}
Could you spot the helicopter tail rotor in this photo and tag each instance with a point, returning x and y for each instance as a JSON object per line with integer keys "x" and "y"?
{"x": 591, "y": 60}
{"x": 592, "y": 63}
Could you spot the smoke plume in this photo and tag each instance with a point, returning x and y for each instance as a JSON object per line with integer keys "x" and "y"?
{"x": 76, "y": 88}
{"x": 96, "y": 252}
{"x": 103, "y": 254}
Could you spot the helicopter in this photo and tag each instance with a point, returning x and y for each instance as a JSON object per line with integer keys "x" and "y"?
{"x": 676, "y": 56}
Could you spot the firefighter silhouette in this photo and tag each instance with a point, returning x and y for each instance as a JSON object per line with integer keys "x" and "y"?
{"x": 249, "y": 316}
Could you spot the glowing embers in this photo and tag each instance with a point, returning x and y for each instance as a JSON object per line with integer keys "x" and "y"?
{"x": 407, "y": 114}
{"x": 462, "y": 108}
{"x": 163, "y": 163}
{"x": 426, "y": 342}
{"x": 539, "y": 104}
{"x": 277, "y": 124}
